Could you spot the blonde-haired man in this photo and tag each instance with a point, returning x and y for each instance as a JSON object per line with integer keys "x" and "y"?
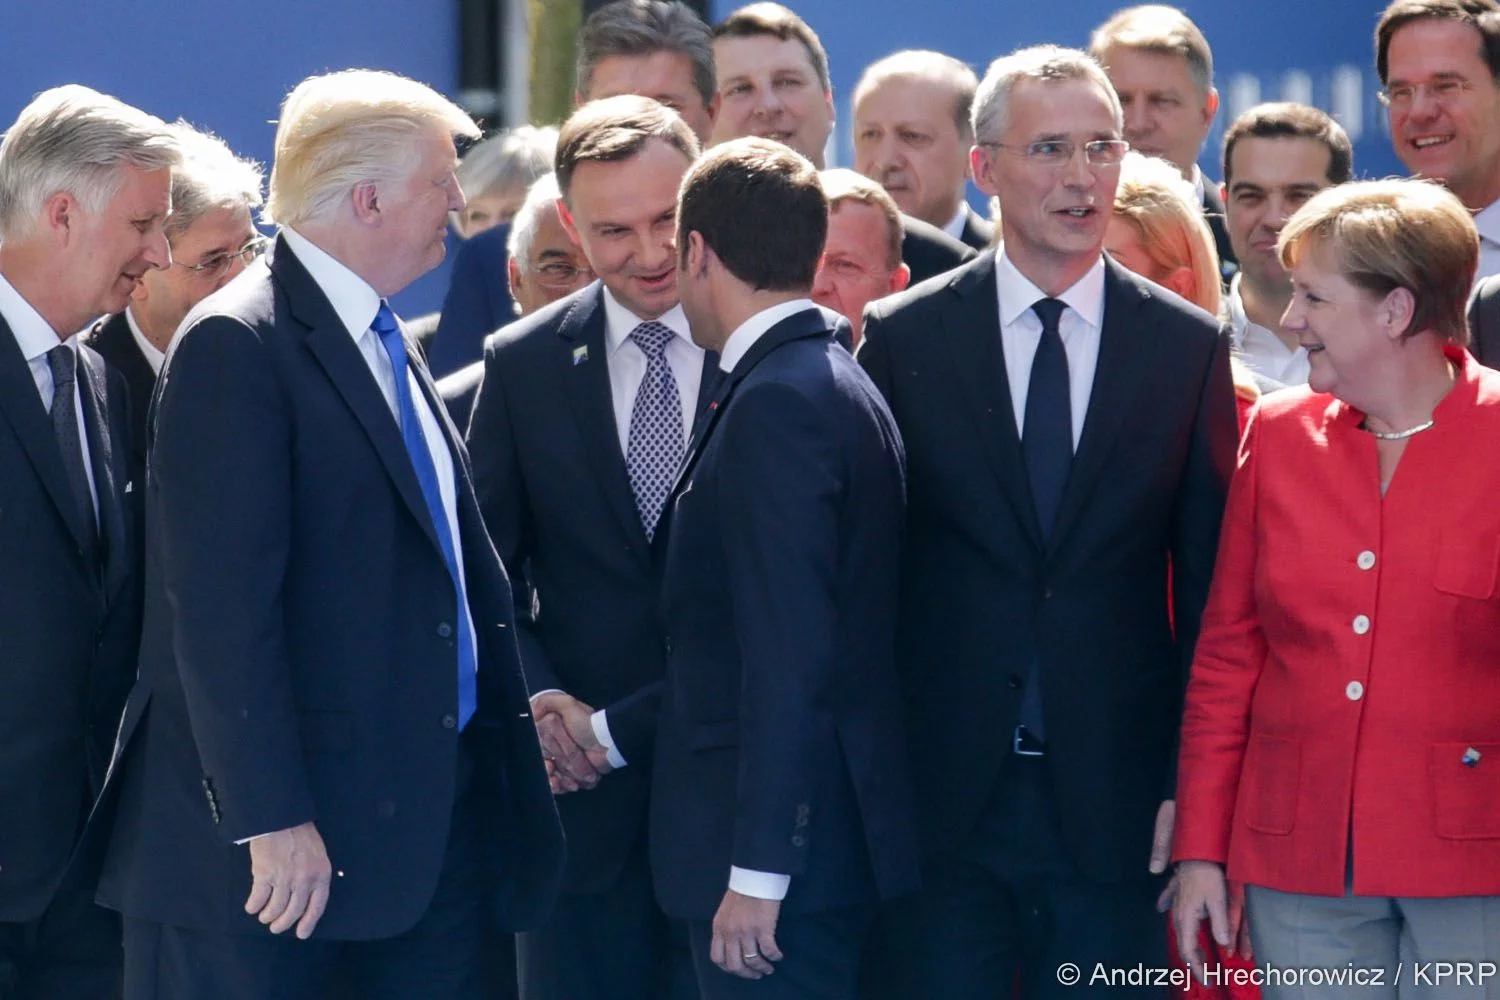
{"x": 329, "y": 735}
{"x": 84, "y": 190}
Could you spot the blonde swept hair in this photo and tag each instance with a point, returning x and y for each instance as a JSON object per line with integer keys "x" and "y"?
{"x": 1163, "y": 209}
{"x": 845, "y": 185}
{"x": 1389, "y": 234}
{"x": 342, "y": 129}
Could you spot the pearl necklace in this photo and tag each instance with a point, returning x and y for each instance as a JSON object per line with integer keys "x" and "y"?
{"x": 1396, "y": 435}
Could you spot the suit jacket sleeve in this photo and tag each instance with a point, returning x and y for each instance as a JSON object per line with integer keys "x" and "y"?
{"x": 221, "y": 508}
{"x": 780, "y": 487}
{"x": 1200, "y": 507}
{"x": 1231, "y": 652}
{"x": 503, "y": 503}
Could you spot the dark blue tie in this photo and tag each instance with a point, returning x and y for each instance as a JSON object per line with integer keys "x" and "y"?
{"x": 389, "y": 330}
{"x": 1047, "y": 445}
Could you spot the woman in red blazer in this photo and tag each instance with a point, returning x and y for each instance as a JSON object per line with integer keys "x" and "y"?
{"x": 1341, "y": 738}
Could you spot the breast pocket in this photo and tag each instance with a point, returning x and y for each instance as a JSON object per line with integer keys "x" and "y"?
{"x": 1465, "y": 564}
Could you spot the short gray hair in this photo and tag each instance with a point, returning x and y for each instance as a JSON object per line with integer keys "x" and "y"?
{"x": 1160, "y": 29}
{"x": 209, "y": 177}
{"x": 541, "y": 197}
{"x": 1044, "y": 63}
{"x": 74, "y": 139}
{"x": 923, "y": 64}
{"x": 508, "y": 161}
{"x": 341, "y": 129}
{"x": 642, "y": 28}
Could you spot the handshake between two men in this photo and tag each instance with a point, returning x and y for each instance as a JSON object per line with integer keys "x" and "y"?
{"x": 574, "y": 757}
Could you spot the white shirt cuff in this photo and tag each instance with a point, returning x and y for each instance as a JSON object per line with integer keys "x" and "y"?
{"x": 248, "y": 839}
{"x": 760, "y": 885}
{"x": 537, "y": 694}
{"x": 601, "y": 733}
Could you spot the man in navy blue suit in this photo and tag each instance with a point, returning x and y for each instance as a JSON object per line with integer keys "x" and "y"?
{"x": 780, "y": 803}
{"x": 327, "y": 772}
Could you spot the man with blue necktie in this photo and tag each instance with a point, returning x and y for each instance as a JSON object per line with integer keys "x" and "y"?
{"x": 327, "y": 772}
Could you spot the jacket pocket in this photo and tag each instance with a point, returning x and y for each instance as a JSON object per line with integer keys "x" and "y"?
{"x": 1271, "y": 783}
{"x": 1465, "y": 799}
{"x": 1465, "y": 565}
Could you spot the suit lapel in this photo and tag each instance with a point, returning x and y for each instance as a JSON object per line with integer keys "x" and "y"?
{"x": 1122, "y": 375}
{"x": 335, "y": 350}
{"x": 22, "y": 406}
{"x": 971, "y": 331}
{"x": 584, "y": 357}
{"x": 107, "y": 485}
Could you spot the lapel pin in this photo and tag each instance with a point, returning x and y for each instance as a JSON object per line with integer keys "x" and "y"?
{"x": 1471, "y": 757}
{"x": 130, "y": 486}
{"x": 580, "y": 354}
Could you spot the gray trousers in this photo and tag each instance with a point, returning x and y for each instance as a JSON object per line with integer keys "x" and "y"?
{"x": 1375, "y": 948}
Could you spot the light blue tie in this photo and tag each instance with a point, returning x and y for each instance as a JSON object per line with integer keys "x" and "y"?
{"x": 389, "y": 330}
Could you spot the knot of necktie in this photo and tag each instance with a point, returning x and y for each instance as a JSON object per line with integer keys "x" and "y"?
{"x": 1049, "y": 311}
{"x": 652, "y": 338}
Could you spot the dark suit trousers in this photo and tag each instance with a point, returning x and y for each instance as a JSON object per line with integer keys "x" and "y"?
{"x": 1011, "y": 909}
{"x": 820, "y": 959}
{"x": 438, "y": 959}
{"x": 71, "y": 952}
{"x": 611, "y": 945}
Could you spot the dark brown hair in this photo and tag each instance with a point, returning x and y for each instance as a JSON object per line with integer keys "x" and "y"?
{"x": 615, "y": 129}
{"x": 1471, "y": 12}
{"x": 1288, "y": 120}
{"x": 779, "y": 22}
{"x": 760, "y": 207}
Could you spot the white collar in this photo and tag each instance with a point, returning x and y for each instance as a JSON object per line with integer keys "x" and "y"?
{"x": 1239, "y": 320}
{"x": 955, "y": 226}
{"x": 352, "y": 298}
{"x": 620, "y": 321}
{"x": 750, "y": 331}
{"x": 1019, "y": 293}
{"x": 1199, "y": 184}
{"x": 148, "y": 350}
{"x": 33, "y": 333}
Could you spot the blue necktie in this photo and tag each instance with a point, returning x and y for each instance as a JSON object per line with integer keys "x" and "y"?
{"x": 389, "y": 331}
{"x": 1047, "y": 446}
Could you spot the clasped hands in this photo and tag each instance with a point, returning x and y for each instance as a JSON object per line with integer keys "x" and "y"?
{"x": 574, "y": 757}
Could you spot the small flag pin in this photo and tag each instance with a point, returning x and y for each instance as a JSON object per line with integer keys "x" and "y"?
{"x": 580, "y": 354}
{"x": 1471, "y": 757}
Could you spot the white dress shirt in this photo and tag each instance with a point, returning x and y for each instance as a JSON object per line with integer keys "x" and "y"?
{"x": 148, "y": 350}
{"x": 955, "y": 226}
{"x": 36, "y": 337}
{"x": 1021, "y": 331}
{"x": 1262, "y": 351}
{"x": 1487, "y": 221}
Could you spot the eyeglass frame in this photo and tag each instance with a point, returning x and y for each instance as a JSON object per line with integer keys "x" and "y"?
{"x": 216, "y": 265}
{"x": 1443, "y": 90}
{"x": 1028, "y": 151}
{"x": 539, "y": 268}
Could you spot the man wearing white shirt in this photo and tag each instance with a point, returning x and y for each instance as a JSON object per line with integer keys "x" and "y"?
{"x": 1276, "y": 157}
{"x": 326, "y": 777}
{"x": 583, "y": 414}
{"x": 1070, "y": 433}
{"x": 781, "y": 809}
{"x": 84, "y": 192}
{"x": 212, "y": 238}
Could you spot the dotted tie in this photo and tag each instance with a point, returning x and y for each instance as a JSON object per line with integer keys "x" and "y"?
{"x": 655, "y": 447}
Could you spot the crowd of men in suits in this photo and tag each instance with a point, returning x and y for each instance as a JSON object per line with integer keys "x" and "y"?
{"x": 802, "y": 547}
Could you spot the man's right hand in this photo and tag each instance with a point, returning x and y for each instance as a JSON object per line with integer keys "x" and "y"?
{"x": 290, "y": 876}
{"x": 564, "y": 726}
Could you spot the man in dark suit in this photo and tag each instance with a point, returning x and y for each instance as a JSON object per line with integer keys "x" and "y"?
{"x": 1162, "y": 68}
{"x": 571, "y": 484}
{"x": 781, "y": 808}
{"x": 912, "y": 135}
{"x": 73, "y": 247}
{"x": 1070, "y": 432}
{"x": 212, "y": 238}
{"x": 330, "y": 730}
{"x": 765, "y": 42}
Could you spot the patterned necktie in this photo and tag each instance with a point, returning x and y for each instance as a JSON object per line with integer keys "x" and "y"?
{"x": 1047, "y": 437}
{"x": 655, "y": 448}
{"x": 389, "y": 331}
{"x": 64, "y": 365}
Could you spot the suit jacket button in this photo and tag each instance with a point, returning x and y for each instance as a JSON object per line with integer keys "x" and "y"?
{"x": 445, "y": 630}
{"x": 449, "y": 722}
{"x": 386, "y": 810}
{"x": 799, "y": 841}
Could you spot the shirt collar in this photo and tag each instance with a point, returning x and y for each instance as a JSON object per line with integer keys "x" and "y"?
{"x": 148, "y": 350}
{"x": 955, "y": 226}
{"x": 33, "y": 333}
{"x": 620, "y": 321}
{"x": 1199, "y": 183}
{"x": 750, "y": 331}
{"x": 1239, "y": 321}
{"x": 1019, "y": 293}
{"x": 352, "y": 298}
{"x": 1487, "y": 221}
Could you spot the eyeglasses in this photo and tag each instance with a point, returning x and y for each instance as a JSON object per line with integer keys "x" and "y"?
{"x": 216, "y": 265}
{"x": 1445, "y": 90}
{"x": 1058, "y": 153}
{"x": 560, "y": 274}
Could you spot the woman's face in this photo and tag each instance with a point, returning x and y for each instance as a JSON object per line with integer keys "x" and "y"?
{"x": 1340, "y": 325}
{"x": 1122, "y": 241}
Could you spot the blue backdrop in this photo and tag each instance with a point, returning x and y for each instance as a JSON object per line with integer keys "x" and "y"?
{"x": 226, "y": 66}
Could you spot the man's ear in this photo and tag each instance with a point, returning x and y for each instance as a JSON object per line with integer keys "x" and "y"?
{"x": 513, "y": 275}
{"x": 365, "y": 200}
{"x": 62, "y": 213}
{"x": 900, "y": 278}
{"x": 569, "y": 226}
